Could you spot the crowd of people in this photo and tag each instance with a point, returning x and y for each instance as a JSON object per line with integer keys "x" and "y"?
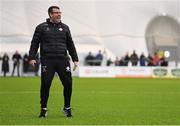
{"x": 17, "y": 60}
{"x": 92, "y": 60}
{"x": 158, "y": 59}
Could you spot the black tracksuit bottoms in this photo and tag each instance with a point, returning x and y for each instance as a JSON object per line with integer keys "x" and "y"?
{"x": 48, "y": 69}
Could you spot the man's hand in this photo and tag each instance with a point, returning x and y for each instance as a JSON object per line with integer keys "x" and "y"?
{"x": 76, "y": 64}
{"x": 32, "y": 62}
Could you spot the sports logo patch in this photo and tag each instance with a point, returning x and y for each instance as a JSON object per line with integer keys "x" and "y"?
{"x": 68, "y": 69}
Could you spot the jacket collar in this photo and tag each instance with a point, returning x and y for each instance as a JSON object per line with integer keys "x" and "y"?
{"x": 48, "y": 21}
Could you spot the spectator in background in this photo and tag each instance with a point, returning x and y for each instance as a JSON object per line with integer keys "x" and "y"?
{"x": 134, "y": 58}
{"x": 156, "y": 59}
{"x": 142, "y": 60}
{"x": 116, "y": 62}
{"x": 89, "y": 59}
{"x": 164, "y": 62}
{"x": 122, "y": 62}
{"x": 0, "y": 58}
{"x": 126, "y": 59}
{"x": 5, "y": 64}
{"x": 16, "y": 62}
{"x": 99, "y": 58}
{"x": 109, "y": 62}
{"x": 25, "y": 63}
{"x": 149, "y": 60}
{"x": 160, "y": 54}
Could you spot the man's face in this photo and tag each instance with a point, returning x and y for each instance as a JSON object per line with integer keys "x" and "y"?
{"x": 55, "y": 15}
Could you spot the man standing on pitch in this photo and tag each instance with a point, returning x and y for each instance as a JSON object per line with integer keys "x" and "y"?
{"x": 55, "y": 40}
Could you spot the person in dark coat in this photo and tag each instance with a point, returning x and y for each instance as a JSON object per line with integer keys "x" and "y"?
{"x": 55, "y": 40}
{"x": 16, "y": 59}
{"x": 109, "y": 62}
{"x": 126, "y": 59}
{"x": 25, "y": 63}
{"x": 149, "y": 60}
{"x": 134, "y": 59}
{"x": 89, "y": 59}
{"x": 5, "y": 64}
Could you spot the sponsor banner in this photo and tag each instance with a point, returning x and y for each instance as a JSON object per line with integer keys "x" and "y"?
{"x": 166, "y": 72}
{"x": 138, "y": 72}
{"x": 160, "y": 72}
{"x": 133, "y": 72}
{"x": 96, "y": 71}
{"x": 175, "y": 72}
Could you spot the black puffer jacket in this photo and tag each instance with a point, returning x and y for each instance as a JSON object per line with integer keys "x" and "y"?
{"x": 54, "y": 40}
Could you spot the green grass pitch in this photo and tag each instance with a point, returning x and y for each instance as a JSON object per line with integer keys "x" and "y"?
{"x": 95, "y": 101}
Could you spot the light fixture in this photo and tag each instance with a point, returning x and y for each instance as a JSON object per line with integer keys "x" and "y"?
{"x": 166, "y": 54}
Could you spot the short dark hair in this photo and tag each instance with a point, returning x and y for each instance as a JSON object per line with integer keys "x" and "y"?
{"x": 50, "y": 9}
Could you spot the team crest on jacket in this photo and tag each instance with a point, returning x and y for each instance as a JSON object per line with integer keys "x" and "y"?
{"x": 60, "y": 29}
